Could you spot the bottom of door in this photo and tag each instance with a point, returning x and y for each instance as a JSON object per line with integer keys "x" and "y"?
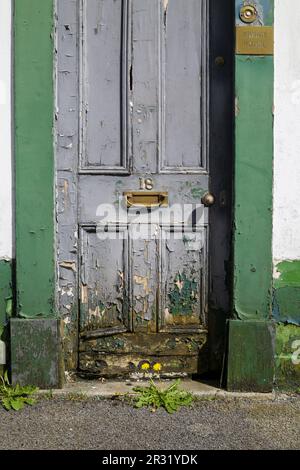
{"x": 137, "y": 354}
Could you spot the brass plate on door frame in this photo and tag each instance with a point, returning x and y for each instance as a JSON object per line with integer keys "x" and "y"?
{"x": 255, "y": 40}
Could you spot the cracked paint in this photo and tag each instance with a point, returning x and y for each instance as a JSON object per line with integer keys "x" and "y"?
{"x": 124, "y": 283}
{"x": 142, "y": 281}
{"x": 68, "y": 265}
{"x": 183, "y": 297}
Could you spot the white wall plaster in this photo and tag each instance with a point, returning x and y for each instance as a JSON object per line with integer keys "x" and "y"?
{"x": 286, "y": 230}
{"x": 5, "y": 132}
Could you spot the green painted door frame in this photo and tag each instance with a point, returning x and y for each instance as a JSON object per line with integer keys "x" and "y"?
{"x": 253, "y": 180}
{"x": 34, "y": 160}
{"x": 35, "y": 344}
{"x": 35, "y": 193}
{"x": 250, "y": 364}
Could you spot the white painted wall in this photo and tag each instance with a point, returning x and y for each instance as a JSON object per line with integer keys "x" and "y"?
{"x": 286, "y": 231}
{"x": 5, "y": 131}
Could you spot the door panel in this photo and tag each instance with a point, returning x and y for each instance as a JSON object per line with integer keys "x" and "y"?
{"x": 184, "y": 81}
{"x": 144, "y": 279}
{"x": 183, "y": 272}
{"x": 103, "y": 26}
{"x": 144, "y": 87}
{"x": 134, "y": 103}
{"x": 104, "y": 268}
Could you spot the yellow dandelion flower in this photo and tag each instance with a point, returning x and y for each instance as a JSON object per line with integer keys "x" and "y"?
{"x": 145, "y": 366}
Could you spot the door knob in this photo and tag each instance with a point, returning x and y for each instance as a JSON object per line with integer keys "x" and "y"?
{"x": 208, "y": 199}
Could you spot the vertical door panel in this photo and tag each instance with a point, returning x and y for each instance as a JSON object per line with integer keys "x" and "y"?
{"x": 104, "y": 274}
{"x": 145, "y": 84}
{"x": 183, "y": 278}
{"x": 104, "y": 84}
{"x": 184, "y": 42}
{"x": 144, "y": 274}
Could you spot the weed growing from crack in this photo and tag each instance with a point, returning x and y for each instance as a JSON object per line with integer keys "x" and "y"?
{"x": 171, "y": 398}
{"x": 76, "y": 396}
{"x": 15, "y": 398}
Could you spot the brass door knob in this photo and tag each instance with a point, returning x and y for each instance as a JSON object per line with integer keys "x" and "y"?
{"x": 208, "y": 199}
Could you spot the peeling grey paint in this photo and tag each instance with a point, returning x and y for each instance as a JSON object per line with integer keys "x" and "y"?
{"x": 156, "y": 126}
{"x": 67, "y": 148}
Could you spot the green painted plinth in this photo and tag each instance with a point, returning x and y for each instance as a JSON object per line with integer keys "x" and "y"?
{"x": 36, "y": 357}
{"x": 250, "y": 359}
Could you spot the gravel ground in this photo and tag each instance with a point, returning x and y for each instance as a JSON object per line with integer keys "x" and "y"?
{"x": 114, "y": 425}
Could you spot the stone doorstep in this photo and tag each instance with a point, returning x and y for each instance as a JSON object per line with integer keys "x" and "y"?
{"x": 111, "y": 388}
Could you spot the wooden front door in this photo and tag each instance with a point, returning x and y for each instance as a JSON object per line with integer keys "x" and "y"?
{"x": 134, "y": 166}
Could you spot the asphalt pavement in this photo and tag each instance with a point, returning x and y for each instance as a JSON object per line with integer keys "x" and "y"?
{"x": 110, "y": 424}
